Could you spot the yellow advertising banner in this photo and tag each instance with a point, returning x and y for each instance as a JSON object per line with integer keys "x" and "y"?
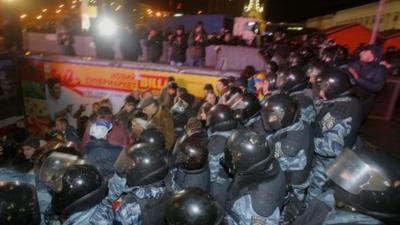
{"x": 122, "y": 79}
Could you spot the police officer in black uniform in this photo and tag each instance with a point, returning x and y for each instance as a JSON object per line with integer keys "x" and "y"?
{"x": 190, "y": 157}
{"x": 144, "y": 196}
{"x": 338, "y": 120}
{"x": 221, "y": 124}
{"x": 257, "y": 191}
{"x": 292, "y": 141}
{"x": 247, "y": 111}
{"x": 294, "y": 81}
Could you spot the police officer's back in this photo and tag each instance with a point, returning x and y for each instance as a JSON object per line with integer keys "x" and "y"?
{"x": 257, "y": 191}
{"x": 144, "y": 197}
{"x": 190, "y": 162}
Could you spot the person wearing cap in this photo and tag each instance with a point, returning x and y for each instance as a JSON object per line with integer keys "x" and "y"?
{"x": 99, "y": 152}
{"x": 127, "y": 110}
{"x": 23, "y": 161}
{"x": 160, "y": 118}
{"x": 369, "y": 76}
{"x": 118, "y": 135}
{"x": 167, "y": 95}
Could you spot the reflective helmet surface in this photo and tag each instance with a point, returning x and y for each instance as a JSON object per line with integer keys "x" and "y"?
{"x": 278, "y": 111}
{"x": 142, "y": 164}
{"x": 78, "y": 182}
{"x": 247, "y": 108}
{"x": 191, "y": 153}
{"x": 334, "y": 83}
{"x": 192, "y": 206}
{"x": 221, "y": 118}
{"x": 152, "y": 136}
{"x": 246, "y": 152}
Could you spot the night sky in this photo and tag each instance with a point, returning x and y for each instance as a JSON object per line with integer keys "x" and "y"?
{"x": 285, "y": 10}
{"x": 300, "y": 10}
{"x": 276, "y": 10}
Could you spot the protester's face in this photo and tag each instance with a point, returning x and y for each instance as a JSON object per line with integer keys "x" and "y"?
{"x": 227, "y": 38}
{"x": 129, "y": 107}
{"x": 150, "y": 110}
{"x": 211, "y": 98}
{"x": 179, "y": 32}
{"x": 366, "y": 56}
{"x": 61, "y": 126}
{"x": 221, "y": 87}
{"x": 171, "y": 91}
{"x": 28, "y": 151}
{"x": 55, "y": 92}
{"x": 136, "y": 128}
{"x": 199, "y": 29}
{"x": 95, "y": 107}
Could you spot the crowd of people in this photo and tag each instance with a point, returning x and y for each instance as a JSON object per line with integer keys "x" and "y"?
{"x": 186, "y": 47}
{"x": 278, "y": 146}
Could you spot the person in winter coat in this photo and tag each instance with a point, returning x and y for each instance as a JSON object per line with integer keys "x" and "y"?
{"x": 369, "y": 76}
{"x": 178, "y": 43}
{"x": 154, "y": 44}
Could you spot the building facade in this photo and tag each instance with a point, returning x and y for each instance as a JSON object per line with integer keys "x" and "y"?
{"x": 364, "y": 15}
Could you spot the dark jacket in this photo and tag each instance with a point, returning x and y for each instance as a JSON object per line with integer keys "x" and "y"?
{"x": 372, "y": 76}
{"x": 199, "y": 47}
{"x": 130, "y": 46}
{"x": 101, "y": 154}
{"x": 178, "y": 47}
{"x": 154, "y": 48}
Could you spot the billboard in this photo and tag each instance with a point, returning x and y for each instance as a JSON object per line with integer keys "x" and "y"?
{"x": 82, "y": 84}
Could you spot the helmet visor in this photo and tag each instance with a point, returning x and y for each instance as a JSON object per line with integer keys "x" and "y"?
{"x": 53, "y": 168}
{"x": 124, "y": 163}
{"x": 354, "y": 175}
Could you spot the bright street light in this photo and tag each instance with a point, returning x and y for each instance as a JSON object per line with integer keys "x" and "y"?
{"x": 39, "y": 17}
{"x": 106, "y": 27}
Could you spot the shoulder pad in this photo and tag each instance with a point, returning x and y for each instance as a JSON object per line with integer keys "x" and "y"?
{"x": 269, "y": 195}
{"x": 344, "y": 110}
{"x": 293, "y": 142}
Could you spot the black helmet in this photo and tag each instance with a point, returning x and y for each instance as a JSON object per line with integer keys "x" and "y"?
{"x": 278, "y": 111}
{"x": 367, "y": 181}
{"x": 246, "y": 152}
{"x": 191, "y": 153}
{"x": 152, "y": 136}
{"x": 143, "y": 164}
{"x": 82, "y": 188}
{"x": 293, "y": 79}
{"x": 335, "y": 55}
{"x": 192, "y": 206}
{"x": 334, "y": 83}
{"x": 18, "y": 204}
{"x": 295, "y": 59}
{"x": 221, "y": 118}
{"x": 308, "y": 53}
{"x": 247, "y": 108}
{"x": 315, "y": 68}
